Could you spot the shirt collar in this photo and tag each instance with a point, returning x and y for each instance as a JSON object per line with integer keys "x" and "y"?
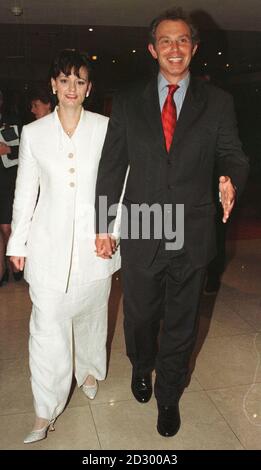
{"x": 163, "y": 82}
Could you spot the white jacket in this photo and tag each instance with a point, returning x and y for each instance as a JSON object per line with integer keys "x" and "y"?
{"x": 66, "y": 170}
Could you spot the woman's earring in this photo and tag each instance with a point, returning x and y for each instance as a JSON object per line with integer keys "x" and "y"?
{"x": 54, "y": 92}
{"x": 87, "y": 94}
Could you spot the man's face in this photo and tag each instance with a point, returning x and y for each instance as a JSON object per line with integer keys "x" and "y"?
{"x": 173, "y": 49}
{"x": 40, "y": 109}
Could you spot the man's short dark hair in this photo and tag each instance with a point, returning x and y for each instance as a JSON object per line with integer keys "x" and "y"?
{"x": 175, "y": 14}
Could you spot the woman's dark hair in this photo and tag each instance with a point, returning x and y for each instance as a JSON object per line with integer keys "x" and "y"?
{"x": 175, "y": 14}
{"x": 68, "y": 60}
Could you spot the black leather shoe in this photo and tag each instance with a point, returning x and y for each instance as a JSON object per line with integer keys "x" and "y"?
{"x": 168, "y": 420}
{"x": 141, "y": 387}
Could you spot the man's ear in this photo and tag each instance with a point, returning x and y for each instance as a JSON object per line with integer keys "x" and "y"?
{"x": 152, "y": 51}
{"x": 194, "y": 50}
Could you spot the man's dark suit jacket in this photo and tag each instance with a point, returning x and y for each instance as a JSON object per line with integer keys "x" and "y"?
{"x": 205, "y": 137}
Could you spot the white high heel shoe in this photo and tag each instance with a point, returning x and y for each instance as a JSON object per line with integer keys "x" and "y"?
{"x": 90, "y": 390}
{"x": 39, "y": 434}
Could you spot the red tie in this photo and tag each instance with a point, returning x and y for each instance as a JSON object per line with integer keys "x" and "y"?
{"x": 169, "y": 116}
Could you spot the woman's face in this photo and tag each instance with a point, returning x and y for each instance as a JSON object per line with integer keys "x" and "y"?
{"x": 71, "y": 90}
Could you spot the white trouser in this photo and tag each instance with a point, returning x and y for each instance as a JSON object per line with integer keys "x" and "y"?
{"x": 68, "y": 333}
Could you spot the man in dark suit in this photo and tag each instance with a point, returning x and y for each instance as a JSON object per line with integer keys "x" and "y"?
{"x": 171, "y": 137}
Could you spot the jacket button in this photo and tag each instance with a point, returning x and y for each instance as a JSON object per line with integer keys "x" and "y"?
{"x": 72, "y": 184}
{"x": 72, "y": 170}
{"x": 70, "y": 155}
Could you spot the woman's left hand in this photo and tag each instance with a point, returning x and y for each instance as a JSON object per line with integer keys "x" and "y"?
{"x": 4, "y": 149}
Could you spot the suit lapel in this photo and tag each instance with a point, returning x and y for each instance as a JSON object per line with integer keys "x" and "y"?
{"x": 152, "y": 114}
{"x": 86, "y": 128}
{"x": 192, "y": 107}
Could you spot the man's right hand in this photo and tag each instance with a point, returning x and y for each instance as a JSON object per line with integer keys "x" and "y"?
{"x": 18, "y": 262}
{"x": 105, "y": 245}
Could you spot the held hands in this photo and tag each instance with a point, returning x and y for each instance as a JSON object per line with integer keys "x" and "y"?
{"x": 227, "y": 196}
{"x": 105, "y": 245}
{"x": 18, "y": 262}
{"x": 4, "y": 149}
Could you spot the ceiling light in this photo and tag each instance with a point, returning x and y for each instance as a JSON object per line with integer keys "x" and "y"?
{"x": 219, "y": 53}
{"x": 133, "y": 51}
{"x": 90, "y": 29}
{"x": 94, "y": 57}
{"x": 17, "y": 10}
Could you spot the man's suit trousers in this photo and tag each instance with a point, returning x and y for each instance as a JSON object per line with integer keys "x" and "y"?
{"x": 168, "y": 291}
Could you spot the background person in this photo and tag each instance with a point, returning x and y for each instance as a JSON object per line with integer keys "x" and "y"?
{"x": 7, "y": 187}
{"x": 40, "y": 102}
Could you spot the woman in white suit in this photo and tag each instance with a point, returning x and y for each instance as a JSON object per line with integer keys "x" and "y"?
{"x": 53, "y": 239}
